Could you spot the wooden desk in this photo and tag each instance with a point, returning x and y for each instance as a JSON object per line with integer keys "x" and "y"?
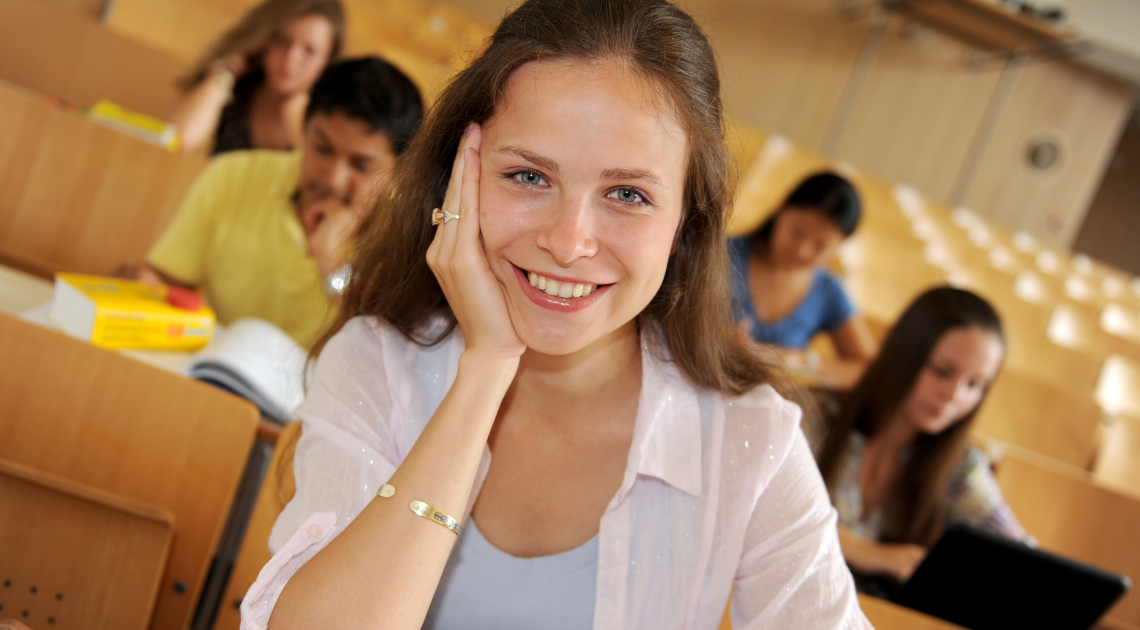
{"x": 887, "y": 616}
{"x": 78, "y": 196}
{"x": 1035, "y": 414}
{"x": 21, "y": 292}
{"x": 1071, "y": 514}
{"x": 54, "y": 50}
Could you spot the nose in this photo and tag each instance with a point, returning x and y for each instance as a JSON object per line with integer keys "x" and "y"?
{"x": 339, "y": 179}
{"x": 569, "y": 233}
{"x": 805, "y": 251}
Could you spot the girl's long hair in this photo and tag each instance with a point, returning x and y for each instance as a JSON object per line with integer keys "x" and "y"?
{"x": 391, "y": 279}
{"x": 916, "y": 504}
{"x": 253, "y": 33}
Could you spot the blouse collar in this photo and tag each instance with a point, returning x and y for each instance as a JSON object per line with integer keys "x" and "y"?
{"x": 667, "y": 432}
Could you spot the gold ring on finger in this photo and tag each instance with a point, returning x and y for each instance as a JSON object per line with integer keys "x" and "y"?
{"x": 441, "y": 216}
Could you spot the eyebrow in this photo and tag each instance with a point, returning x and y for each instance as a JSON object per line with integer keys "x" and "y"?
{"x": 633, "y": 173}
{"x": 531, "y": 157}
{"x": 609, "y": 173}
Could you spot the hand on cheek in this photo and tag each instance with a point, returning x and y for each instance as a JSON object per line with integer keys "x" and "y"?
{"x": 457, "y": 259}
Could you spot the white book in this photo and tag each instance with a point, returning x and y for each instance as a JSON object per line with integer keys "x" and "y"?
{"x": 257, "y": 361}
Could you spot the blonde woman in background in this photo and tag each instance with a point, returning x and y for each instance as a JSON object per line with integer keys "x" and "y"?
{"x": 250, "y": 89}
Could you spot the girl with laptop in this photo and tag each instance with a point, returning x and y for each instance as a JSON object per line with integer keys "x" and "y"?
{"x": 895, "y": 457}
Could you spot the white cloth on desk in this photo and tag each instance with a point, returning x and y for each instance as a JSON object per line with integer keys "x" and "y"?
{"x": 717, "y": 492}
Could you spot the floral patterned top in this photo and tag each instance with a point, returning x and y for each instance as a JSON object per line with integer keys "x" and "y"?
{"x": 974, "y": 496}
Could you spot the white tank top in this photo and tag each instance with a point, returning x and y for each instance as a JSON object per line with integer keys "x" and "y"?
{"x": 483, "y": 588}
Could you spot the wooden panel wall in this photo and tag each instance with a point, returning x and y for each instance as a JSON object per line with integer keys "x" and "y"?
{"x": 57, "y": 51}
{"x": 1084, "y": 113}
{"x": 918, "y": 112}
{"x": 784, "y": 63}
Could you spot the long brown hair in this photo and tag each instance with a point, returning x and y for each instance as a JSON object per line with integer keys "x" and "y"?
{"x": 253, "y": 33}
{"x": 916, "y": 504}
{"x": 391, "y": 279}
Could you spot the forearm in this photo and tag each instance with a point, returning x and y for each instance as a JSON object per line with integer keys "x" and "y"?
{"x": 196, "y": 114}
{"x": 383, "y": 569}
{"x": 861, "y": 553}
{"x": 841, "y": 373}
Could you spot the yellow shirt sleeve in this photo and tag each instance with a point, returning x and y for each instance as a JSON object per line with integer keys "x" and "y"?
{"x": 181, "y": 250}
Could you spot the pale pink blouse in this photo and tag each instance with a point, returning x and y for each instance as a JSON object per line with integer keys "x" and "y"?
{"x": 717, "y": 492}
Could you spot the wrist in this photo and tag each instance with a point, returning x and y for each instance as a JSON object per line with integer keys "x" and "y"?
{"x": 494, "y": 368}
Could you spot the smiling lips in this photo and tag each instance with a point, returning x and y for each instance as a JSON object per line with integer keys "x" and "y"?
{"x": 565, "y": 290}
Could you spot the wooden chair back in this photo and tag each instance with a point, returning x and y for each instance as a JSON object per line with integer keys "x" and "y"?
{"x": 56, "y": 51}
{"x": 777, "y": 168}
{"x": 78, "y": 196}
{"x": 277, "y": 489}
{"x": 1118, "y": 386}
{"x": 102, "y": 419}
{"x": 1072, "y": 515}
{"x": 75, "y": 557}
{"x": 1037, "y": 415}
{"x": 1118, "y": 462}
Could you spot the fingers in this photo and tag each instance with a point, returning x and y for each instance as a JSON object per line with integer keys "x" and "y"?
{"x": 442, "y": 247}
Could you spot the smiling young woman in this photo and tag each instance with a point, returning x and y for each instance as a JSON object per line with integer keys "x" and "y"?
{"x": 554, "y": 375}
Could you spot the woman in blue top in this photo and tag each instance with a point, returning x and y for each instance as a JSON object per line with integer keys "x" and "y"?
{"x": 784, "y": 296}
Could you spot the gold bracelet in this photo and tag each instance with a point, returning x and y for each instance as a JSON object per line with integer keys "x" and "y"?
{"x": 419, "y": 508}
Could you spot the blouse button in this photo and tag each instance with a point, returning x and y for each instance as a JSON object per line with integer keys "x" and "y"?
{"x": 314, "y": 531}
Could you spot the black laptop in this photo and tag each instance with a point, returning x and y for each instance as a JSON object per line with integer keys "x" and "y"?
{"x": 981, "y": 580}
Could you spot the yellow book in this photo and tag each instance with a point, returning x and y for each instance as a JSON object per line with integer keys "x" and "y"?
{"x": 117, "y": 313}
{"x": 141, "y": 126}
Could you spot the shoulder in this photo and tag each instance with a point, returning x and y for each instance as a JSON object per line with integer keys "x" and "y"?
{"x": 764, "y": 419}
{"x": 972, "y": 464}
{"x": 363, "y": 338}
{"x": 829, "y": 283}
{"x": 258, "y": 167}
{"x": 828, "y": 290}
{"x": 739, "y": 248}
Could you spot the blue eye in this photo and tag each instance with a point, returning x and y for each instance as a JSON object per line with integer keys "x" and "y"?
{"x": 627, "y": 196}
{"x": 529, "y": 178}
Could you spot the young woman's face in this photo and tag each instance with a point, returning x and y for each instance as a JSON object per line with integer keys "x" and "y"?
{"x": 954, "y": 380}
{"x": 581, "y": 190}
{"x": 298, "y": 54}
{"x": 803, "y": 237}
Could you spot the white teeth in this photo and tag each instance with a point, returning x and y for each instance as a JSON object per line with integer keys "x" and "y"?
{"x": 563, "y": 290}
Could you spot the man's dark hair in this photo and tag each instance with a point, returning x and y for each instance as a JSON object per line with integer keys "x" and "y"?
{"x": 372, "y": 90}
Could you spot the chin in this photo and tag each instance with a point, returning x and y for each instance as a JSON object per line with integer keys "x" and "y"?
{"x": 553, "y": 341}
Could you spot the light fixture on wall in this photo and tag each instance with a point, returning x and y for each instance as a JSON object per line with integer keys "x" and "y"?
{"x": 1044, "y": 154}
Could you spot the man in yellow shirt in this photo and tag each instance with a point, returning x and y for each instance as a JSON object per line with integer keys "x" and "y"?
{"x": 260, "y": 231}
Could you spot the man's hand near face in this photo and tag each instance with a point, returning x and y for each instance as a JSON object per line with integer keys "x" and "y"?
{"x": 329, "y": 225}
